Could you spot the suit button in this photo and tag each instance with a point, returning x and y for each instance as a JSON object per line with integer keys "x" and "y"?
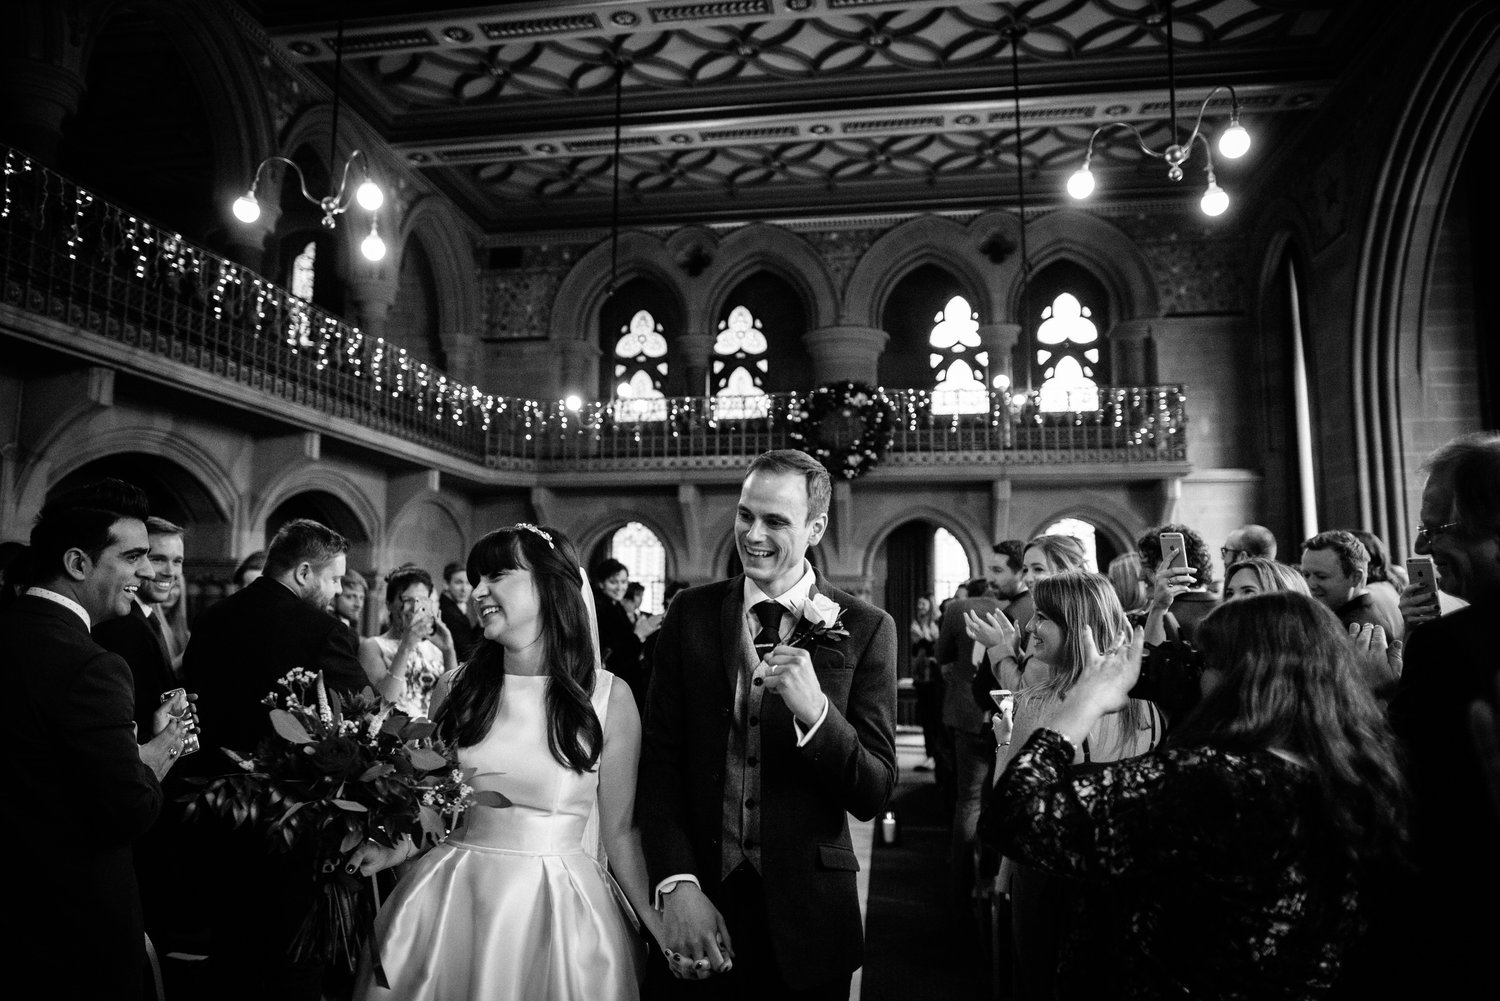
{"x": 755, "y": 721}
{"x": 750, "y": 843}
{"x": 752, "y": 761}
{"x": 714, "y": 777}
{"x": 750, "y": 804}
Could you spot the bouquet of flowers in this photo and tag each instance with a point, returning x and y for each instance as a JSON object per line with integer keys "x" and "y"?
{"x": 334, "y": 775}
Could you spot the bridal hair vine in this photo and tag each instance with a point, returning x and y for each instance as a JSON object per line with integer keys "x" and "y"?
{"x": 532, "y": 528}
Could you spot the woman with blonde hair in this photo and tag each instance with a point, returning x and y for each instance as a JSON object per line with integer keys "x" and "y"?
{"x": 1130, "y": 585}
{"x": 1258, "y": 575}
{"x": 1051, "y": 554}
{"x": 1076, "y": 613}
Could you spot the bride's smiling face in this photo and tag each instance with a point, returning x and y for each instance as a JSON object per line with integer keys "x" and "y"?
{"x": 509, "y": 610}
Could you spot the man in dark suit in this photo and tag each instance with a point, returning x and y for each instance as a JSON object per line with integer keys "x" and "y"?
{"x": 140, "y": 637}
{"x": 240, "y": 648}
{"x": 76, "y": 761}
{"x": 762, "y": 733}
{"x": 453, "y": 608}
{"x": 1451, "y": 667}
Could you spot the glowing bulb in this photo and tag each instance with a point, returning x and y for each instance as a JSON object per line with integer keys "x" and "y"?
{"x": 369, "y": 196}
{"x": 1081, "y": 184}
{"x": 1001, "y": 381}
{"x": 1235, "y": 142}
{"x": 573, "y": 402}
{"x": 1215, "y": 201}
{"x": 246, "y": 208}
{"x": 373, "y": 246}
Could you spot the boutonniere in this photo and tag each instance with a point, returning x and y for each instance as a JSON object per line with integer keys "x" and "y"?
{"x": 822, "y": 622}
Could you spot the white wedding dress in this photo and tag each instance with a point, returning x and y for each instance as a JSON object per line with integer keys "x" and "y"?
{"x": 514, "y": 904}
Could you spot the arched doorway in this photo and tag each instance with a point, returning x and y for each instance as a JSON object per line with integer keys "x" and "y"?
{"x": 327, "y": 509}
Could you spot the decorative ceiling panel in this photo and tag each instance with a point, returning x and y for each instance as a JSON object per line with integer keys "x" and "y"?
{"x": 769, "y": 106}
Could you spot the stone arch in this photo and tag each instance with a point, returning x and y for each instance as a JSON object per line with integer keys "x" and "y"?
{"x": 925, "y": 240}
{"x": 763, "y": 247}
{"x": 309, "y": 477}
{"x": 972, "y": 537}
{"x": 197, "y": 462}
{"x": 591, "y": 537}
{"x": 1424, "y": 154}
{"x": 582, "y": 293}
{"x": 435, "y": 224}
{"x": 214, "y": 50}
{"x": 1069, "y": 234}
{"x": 1121, "y": 527}
{"x": 429, "y": 548}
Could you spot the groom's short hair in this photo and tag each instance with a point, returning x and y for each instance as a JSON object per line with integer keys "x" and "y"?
{"x": 791, "y": 460}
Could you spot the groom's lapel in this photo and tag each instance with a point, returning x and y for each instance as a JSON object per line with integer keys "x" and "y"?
{"x": 731, "y": 628}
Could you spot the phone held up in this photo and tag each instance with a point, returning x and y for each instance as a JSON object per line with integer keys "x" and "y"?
{"x": 1174, "y": 550}
{"x": 188, "y": 718}
{"x": 1423, "y": 575}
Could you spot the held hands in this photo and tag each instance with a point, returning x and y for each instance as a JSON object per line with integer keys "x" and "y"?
{"x": 645, "y": 625}
{"x": 694, "y": 937}
{"x": 788, "y": 672}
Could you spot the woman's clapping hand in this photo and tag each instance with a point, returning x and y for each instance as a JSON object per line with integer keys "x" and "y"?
{"x": 990, "y": 630}
{"x": 1109, "y": 676}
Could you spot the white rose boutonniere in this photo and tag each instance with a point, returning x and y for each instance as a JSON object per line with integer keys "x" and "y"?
{"x": 821, "y": 622}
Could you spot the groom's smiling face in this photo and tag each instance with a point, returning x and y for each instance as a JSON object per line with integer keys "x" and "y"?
{"x": 772, "y": 530}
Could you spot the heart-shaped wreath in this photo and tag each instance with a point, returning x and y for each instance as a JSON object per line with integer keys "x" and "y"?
{"x": 847, "y": 426}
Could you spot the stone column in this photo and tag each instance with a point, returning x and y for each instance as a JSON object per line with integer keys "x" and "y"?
{"x": 370, "y": 298}
{"x": 1000, "y": 340}
{"x": 40, "y": 97}
{"x": 693, "y": 356}
{"x": 846, "y": 352}
{"x": 1129, "y": 353}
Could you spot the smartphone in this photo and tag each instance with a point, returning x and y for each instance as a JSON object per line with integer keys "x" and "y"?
{"x": 1423, "y": 574}
{"x": 1004, "y": 700}
{"x": 189, "y": 720}
{"x": 1174, "y": 550}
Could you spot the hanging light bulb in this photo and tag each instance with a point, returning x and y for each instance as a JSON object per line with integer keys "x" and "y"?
{"x": 369, "y": 196}
{"x": 573, "y": 402}
{"x": 373, "y": 246}
{"x": 1215, "y": 201}
{"x": 1081, "y": 184}
{"x": 1235, "y": 141}
{"x": 246, "y": 208}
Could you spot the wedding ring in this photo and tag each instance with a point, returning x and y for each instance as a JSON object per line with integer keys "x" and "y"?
{"x": 172, "y": 752}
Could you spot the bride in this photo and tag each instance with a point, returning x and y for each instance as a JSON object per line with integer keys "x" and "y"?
{"x": 517, "y": 902}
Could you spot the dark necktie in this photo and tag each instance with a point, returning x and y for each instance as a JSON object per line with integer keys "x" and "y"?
{"x": 154, "y": 622}
{"x": 769, "y": 614}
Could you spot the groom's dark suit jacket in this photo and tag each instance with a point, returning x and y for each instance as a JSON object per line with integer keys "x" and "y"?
{"x": 132, "y": 637}
{"x": 849, "y": 767}
{"x": 81, "y": 797}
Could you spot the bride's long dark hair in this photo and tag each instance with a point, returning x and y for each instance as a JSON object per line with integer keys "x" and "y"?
{"x": 574, "y": 735}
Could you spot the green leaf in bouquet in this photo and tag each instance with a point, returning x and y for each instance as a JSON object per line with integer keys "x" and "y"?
{"x": 489, "y": 797}
{"x": 352, "y": 838}
{"x": 289, "y": 727}
{"x": 428, "y": 760}
{"x": 432, "y": 823}
{"x": 350, "y": 805}
{"x": 379, "y": 769}
{"x": 335, "y": 707}
{"x": 234, "y": 756}
{"x": 418, "y": 729}
{"x": 393, "y": 723}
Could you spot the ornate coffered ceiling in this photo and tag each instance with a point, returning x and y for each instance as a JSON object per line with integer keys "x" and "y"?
{"x": 771, "y": 108}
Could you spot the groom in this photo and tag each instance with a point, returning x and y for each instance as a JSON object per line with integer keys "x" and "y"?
{"x": 770, "y": 717}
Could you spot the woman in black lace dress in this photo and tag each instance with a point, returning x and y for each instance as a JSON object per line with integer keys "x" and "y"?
{"x": 1231, "y": 862}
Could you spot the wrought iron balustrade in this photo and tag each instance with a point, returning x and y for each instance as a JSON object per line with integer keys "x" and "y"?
{"x": 71, "y": 257}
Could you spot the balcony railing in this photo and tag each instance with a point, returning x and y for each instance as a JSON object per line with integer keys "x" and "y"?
{"x": 72, "y": 257}
{"x": 1134, "y": 424}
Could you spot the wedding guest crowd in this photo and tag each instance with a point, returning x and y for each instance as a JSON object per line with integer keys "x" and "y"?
{"x": 1281, "y": 783}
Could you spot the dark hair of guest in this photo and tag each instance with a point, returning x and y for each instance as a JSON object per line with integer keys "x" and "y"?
{"x": 82, "y": 517}
{"x": 403, "y": 577}
{"x": 1289, "y": 681}
{"x": 574, "y": 734}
